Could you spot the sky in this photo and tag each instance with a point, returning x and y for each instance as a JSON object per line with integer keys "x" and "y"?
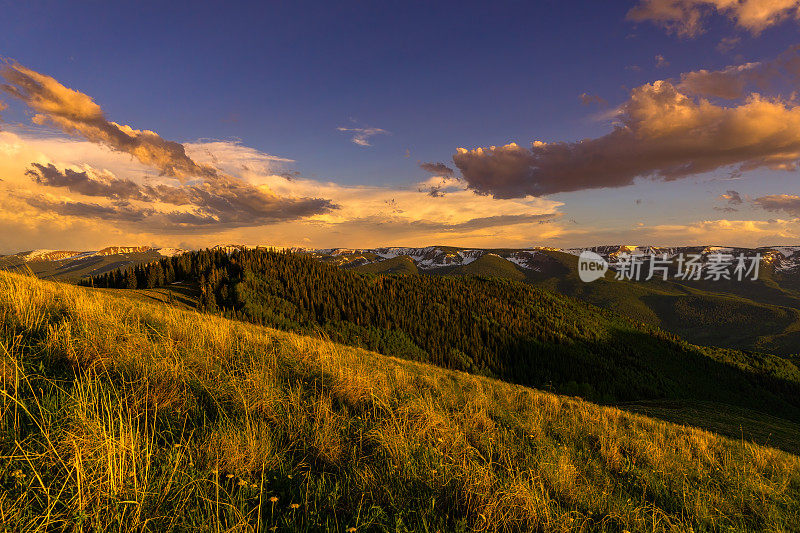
{"x": 364, "y": 124}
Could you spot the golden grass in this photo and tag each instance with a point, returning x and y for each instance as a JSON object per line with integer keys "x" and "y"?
{"x": 123, "y": 415}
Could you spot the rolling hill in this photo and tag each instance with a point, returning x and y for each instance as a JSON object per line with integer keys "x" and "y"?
{"x": 128, "y": 415}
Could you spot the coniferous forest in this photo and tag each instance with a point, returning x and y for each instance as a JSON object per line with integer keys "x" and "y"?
{"x": 499, "y": 328}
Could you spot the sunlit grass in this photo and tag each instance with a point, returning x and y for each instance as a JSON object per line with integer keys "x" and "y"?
{"x": 123, "y": 415}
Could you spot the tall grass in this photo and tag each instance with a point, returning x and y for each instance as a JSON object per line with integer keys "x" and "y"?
{"x": 127, "y": 416}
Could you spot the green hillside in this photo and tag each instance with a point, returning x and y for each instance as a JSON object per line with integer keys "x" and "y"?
{"x": 702, "y": 312}
{"x": 396, "y": 265}
{"x": 126, "y": 415}
{"x": 489, "y": 265}
{"x": 761, "y": 315}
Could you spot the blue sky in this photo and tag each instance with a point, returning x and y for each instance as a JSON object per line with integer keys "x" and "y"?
{"x": 281, "y": 77}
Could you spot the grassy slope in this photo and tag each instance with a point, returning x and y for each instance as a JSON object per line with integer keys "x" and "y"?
{"x": 122, "y": 414}
{"x": 725, "y": 419}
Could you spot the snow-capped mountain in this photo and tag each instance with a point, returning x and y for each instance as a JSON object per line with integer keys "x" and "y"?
{"x": 76, "y": 264}
{"x": 782, "y": 258}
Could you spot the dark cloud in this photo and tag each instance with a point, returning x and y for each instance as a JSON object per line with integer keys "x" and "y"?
{"x": 81, "y": 182}
{"x": 434, "y": 191}
{"x": 500, "y": 220}
{"x": 732, "y": 197}
{"x": 438, "y": 169}
{"x": 218, "y": 196}
{"x": 469, "y": 225}
{"x": 230, "y": 202}
{"x": 120, "y": 212}
{"x": 787, "y": 203}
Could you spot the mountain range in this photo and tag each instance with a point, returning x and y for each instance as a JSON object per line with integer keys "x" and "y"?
{"x": 761, "y": 315}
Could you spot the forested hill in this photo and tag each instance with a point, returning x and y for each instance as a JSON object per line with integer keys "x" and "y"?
{"x": 501, "y": 328}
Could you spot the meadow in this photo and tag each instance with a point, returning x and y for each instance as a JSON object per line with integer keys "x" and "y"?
{"x": 129, "y": 415}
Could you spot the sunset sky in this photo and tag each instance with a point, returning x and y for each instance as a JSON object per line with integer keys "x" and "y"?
{"x": 360, "y": 124}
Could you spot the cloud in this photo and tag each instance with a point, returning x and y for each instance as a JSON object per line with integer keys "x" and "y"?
{"x": 661, "y": 133}
{"x": 58, "y": 212}
{"x": 89, "y": 182}
{"x": 438, "y": 169}
{"x": 661, "y": 62}
{"x": 726, "y": 44}
{"x": 217, "y": 197}
{"x": 117, "y": 212}
{"x": 76, "y": 113}
{"x": 731, "y": 82}
{"x": 732, "y": 197}
{"x": 361, "y": 136}
{"x": 437, "y": 187}
{"x": 780, "y": 202}
{"x": 685, "y": 18}
{"x": 590, "y": 99}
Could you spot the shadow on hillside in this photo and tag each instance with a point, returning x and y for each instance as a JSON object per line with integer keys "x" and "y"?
{"x": 672, "y": 381}
{"x": 727, "y": 420}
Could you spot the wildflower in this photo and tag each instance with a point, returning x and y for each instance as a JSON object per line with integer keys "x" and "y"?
{"x": 295, "y": 506}
{"x": 351, "y": 530}
{"x": 289, "y": 476}
{"x": 229, "y": 476}
{"x": 242, "y": 483}
{"x": 273, "y": 499}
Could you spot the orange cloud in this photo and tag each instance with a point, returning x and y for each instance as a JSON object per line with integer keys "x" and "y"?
{"x": 664, "y": 131}
{"x": 54, "y": 205}
{"x": 218, "y": 198}
{"x": 685, "y": 17}
{"x": 731, "y": 82}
